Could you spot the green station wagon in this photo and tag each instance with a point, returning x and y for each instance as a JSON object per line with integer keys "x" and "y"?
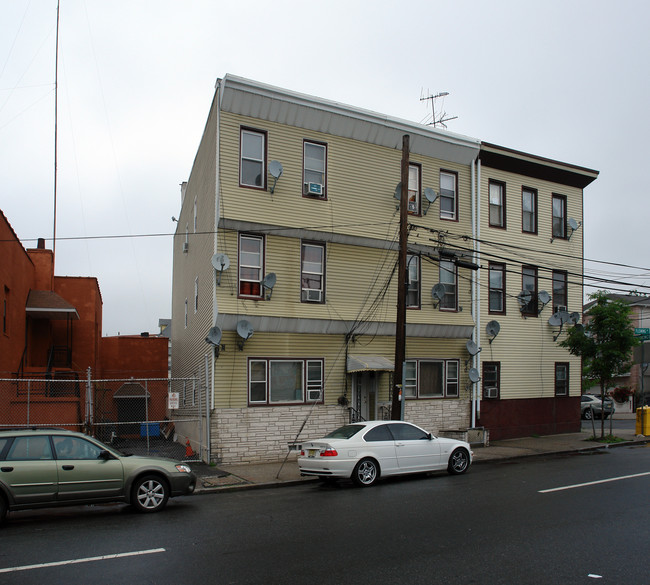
{"x": 53, "y": 467}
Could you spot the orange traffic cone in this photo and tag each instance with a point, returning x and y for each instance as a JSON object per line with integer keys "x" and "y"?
{"x": 188, "y": 449}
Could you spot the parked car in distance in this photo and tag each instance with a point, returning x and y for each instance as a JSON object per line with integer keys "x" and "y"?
{"x": 53, "y": 467}
{"x": 365, "y": 451}
{"x": 591, "y": 405}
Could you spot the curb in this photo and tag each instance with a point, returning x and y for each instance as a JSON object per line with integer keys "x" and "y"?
{"x": 293, "y": 482}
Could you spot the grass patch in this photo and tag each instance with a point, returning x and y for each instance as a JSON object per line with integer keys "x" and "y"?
{"x": 607, "y": 439}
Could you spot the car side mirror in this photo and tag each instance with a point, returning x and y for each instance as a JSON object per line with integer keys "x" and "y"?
{"x": 105, "y": 454}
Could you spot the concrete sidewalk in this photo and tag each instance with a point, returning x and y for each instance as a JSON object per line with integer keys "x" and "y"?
{"x": 266, "y": 475}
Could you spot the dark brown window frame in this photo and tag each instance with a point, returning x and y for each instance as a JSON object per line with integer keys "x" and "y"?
{"x": 562, "y": 198}
{"x": 503, "y": 204}
{"x": 500, "y": 266}
{"x": 565, "y": 279}
{"x": 566, "y": 389}
{"x": 322, "y": 197}
{"x": 535, "y": 209}
{"x": 531, "y": 311}
{"x": 497, "y": 366}
{"x": 456, "y": 197}
{"x": 417, "y": 306}
{"x": 417, "y": 211}
{"x": 455, "y": 307}
{"x": 323, "y": 246}
{"x": 264, "y": 133}
{"x": 305, "y": 361}
{"x": 445, "y": 381}
{"x": 261, "y": 237}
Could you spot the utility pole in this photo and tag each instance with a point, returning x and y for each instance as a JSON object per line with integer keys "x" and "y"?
{"x": 400, "y": 321}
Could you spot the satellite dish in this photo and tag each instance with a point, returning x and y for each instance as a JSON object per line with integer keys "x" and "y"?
{"x": 398, "y": 191}
{"x": 574, "y": 318}
{"x": 472, "y": 348}
{"x": 220, "y": 262}
{"x": 214, "y": 336}
{"x": 268, "y": 282}
{"x": 565, "y": 316}
{"x": 473, "y": 375}
{"x": 430, "y": 194}
{"x": 544, "y": 297}
{"x": 492, "y": 329}
{"x": 438, "y": 292}
{"x": 579, "y": 327}
{"x": 245, "y": 331}
{"x": 573, "y": 224}
{"x": 524, "y": 297}
{"x": 275, "y": 168}
{"x": 555, "y": 320}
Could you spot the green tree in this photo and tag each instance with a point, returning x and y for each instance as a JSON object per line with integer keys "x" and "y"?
{"x": 605, "y": 343}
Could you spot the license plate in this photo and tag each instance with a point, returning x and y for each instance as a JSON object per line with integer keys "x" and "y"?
{"x": 312, "y": 452}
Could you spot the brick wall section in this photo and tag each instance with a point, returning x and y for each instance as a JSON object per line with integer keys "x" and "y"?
{"x": 258, "y": 435}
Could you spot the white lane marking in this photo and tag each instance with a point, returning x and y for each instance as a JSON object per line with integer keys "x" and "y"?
{"x": 85, "y": 560}
{"x": 578, "y": 485}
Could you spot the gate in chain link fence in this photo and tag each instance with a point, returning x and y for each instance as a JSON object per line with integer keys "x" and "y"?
{"x": 161, "y": 416}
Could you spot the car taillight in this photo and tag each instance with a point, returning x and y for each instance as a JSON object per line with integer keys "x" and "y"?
{"x": 302, "y": 453}
{"x": 328, "y": 453}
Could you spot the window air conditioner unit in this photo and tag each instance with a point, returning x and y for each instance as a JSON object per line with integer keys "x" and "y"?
{"x": 413, "y": 206}
{"x": 312, "y": 295}
{"x": 561, "y": 309}
{"x": 315, "y": 189}
{"x": 491, "y": 392}
{"x": 313, "y": 395}
{"x": 186, "y": 247}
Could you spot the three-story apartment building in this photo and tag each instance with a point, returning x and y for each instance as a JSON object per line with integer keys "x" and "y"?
{"x": 285, "y": 273}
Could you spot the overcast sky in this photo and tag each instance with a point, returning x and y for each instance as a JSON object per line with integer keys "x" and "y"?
{"x": 566, "y": 80}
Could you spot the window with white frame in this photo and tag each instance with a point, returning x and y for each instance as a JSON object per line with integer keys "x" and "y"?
{"x": 314, "y": 169}
{"x": 252, "y": 164}
{"x": 528, "y": 210}
{"x": 497, "y": 202}
{"x": 497, "y": 294}
{"x": 491, "y": 379}
{"x": 251, "y": 258}
{"x": 559, "y": 216}
{"x": 448, "y": 275}
{"x": 414, "y": 189}
{"x": 413, "y": 282}
{"x": 312, "y": 272}
{"x": 448, "y": 199}
{"x": 426, "y": 378}
{"x": 285, "y": 381}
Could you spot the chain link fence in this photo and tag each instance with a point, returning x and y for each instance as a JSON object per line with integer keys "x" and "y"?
{"x": 161, "y": 416}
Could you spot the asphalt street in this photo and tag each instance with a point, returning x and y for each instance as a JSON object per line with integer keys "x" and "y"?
{"x": 557, "y": 520}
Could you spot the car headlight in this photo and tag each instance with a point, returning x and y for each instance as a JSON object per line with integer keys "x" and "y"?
{"x": 183, "y": 468}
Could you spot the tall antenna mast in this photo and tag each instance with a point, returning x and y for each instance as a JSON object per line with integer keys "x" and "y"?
{"x": 56, "y": 105}
{"x": 440, "y": 121}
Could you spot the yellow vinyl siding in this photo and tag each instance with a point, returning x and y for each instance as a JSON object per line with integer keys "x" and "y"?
{"x": 525, "y": 346}
{"x": 367, "y": 210}
{"x": 231, "y": 368}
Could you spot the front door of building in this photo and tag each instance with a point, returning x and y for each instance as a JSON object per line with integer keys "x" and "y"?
{"x": 365, "y": 395}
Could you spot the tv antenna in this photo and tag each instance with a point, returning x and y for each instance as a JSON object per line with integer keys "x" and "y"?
{"x": 441, "y": 118}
